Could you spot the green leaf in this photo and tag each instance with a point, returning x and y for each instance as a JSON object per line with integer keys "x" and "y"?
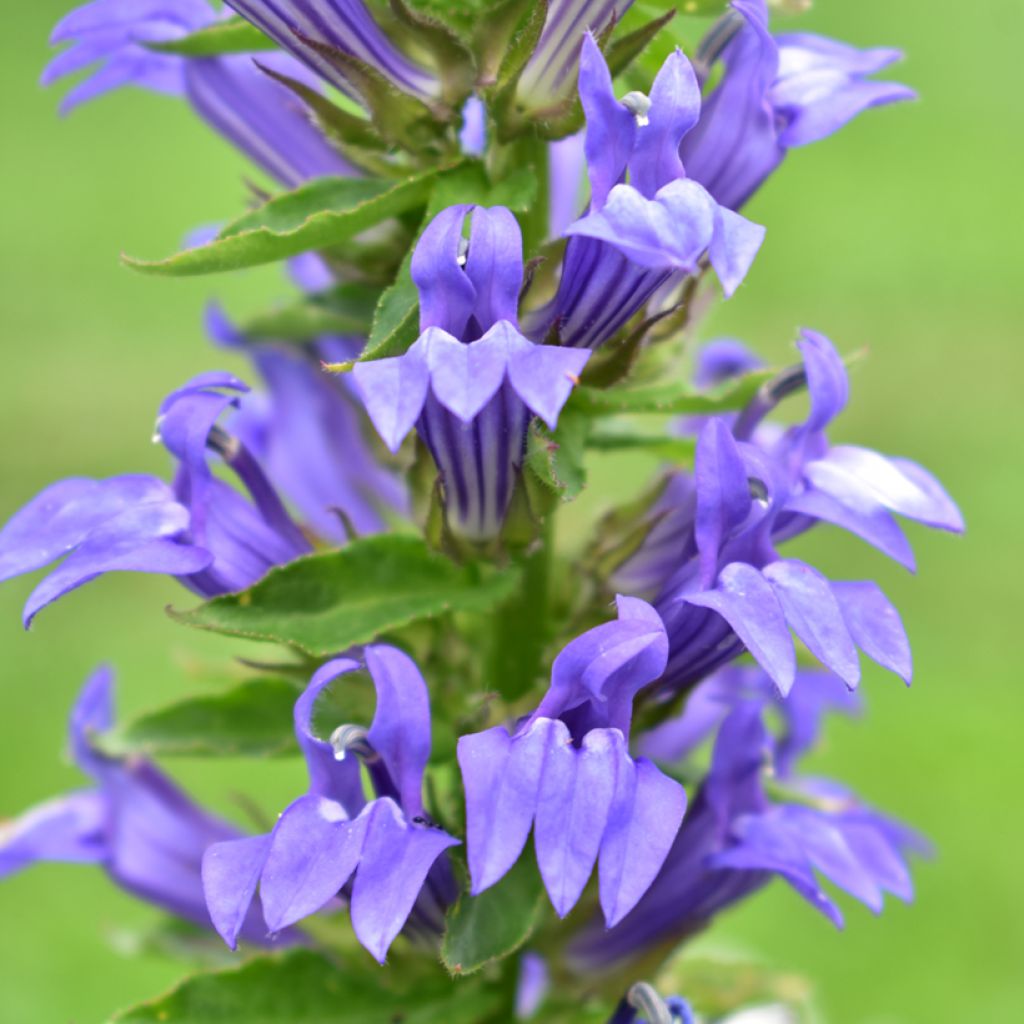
{"x": 305, "y": 988}
{"x": 236, "y": 35}
{"x": 338, "y": 124}
{"x": 347, "y": 309}
{"x": 498, "y": 30}
{"x": 329, "y": 602}
{"x": 399, "y": 117}
{"x": 396, "y": 320}
{"x": 557, "y": 460}
{"x": 674, "y": 397}
{"x": 482, "y": 929}
{"x": 625, "y": 49}
{"x": 317, "y": 215}
{"x": 253, "y": 719}
{"x": 452, "y": 57}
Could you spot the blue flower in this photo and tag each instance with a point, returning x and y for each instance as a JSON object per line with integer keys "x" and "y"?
{"x": 135, "y": 823}
{"x": 199, "y": 529}
{"x": 776, "y": 93}
{"x": 657, "y": 227}
{"x": 711, "y": 556}
{"x": 308, "y": 430}
{"x": 471, "y": 382}
{"x": 387, "y": 848}
{"x": 738, "y": 834}
{"x": 259, "y": 116}
{"x": 566, "y": 772}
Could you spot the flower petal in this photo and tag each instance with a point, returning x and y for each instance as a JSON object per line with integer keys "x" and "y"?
{"x": 674, "y": 110}
{"x": 314, "y": 849}
{"x": 875, "y": 626}
{"x": 231, "y": 871}
{"x": 137, "y": 540}
{"x": 495, "y": 264}
{"x": 746, "y": 600}
{"x": 501, "y": 778}
{"x": 447, "y": 295}
{"x": 859, "y": 514}
{"x": 464, "y": 377}
{"x": 331, "y": 776}
{"x": 735, "y": 243}
{"x": 723, "y": 494}
{"x": 395, "y": 861}
{"x": 642, "y": 826}
{"x": 828, "y": 383}
{"x": 62, "y": 516}
{"x": 400, "y": 731}
{"x": 813, "y": 613}
{"x": 576, "y": 792}
{"x": 393, "y": 392}
{"x": 846, "y": 468}
{"x": 544, "y": 375}
{"x": 68, "y": 828}
{"x": 611, "y": 128}
{"x": 668, "y": 232}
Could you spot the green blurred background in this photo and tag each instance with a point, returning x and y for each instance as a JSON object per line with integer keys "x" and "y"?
{"x": 901, "y": 234}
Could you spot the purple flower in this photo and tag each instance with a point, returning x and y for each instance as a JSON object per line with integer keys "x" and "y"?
{"x": 550, "y": 73}
{"x": 471, "y": 381}
{"x": 566, "y": 773}
{"x": 567, "y": 162}
{"x": 199, "y": 529}
{"x": 308, "y": 431}
{"x": 383, "y": 853}
{"x": 261, "y": 117}
{"x": 776, "y": 93}
{"x": 737, "y": 836}
{"x": 636, "y": 237}
{"x": 246, "y": 535}
{"x": 136, "y": 824}
{"x": 711, "y": 557}
{"x": 311, "y": 29}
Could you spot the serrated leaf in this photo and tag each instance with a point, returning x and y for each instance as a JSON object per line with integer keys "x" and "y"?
{"x": 317, "y": 215}
{"x": 557, "y": 460}
{"x": 326, "y": 603}
{"x": 398, "y": 116}
{"x": 347, "y": 309}
{"x": 482, "y": 929}
{"x": 235, "y": 35}
{"x": 517, "y": 55}
{"x": 338, "y": 124}
{"x": 453, "y": 59}
{"x": 496, "y": 28}
{"x": 396, "y": 319}
{"x": 673, "y": 397}
{"x": 624, "y": 50}
{"x": 305, "y": 988}
{"x": 253, "y": 719}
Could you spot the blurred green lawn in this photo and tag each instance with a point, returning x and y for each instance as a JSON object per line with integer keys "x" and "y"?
{"x": 902, "y": 234}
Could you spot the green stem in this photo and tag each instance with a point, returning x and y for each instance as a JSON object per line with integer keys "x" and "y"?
{"x": 521, "y": 626}
{"x": 528, "y": 150}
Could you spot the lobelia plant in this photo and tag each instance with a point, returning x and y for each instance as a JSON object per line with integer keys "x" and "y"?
{"x": 539, "y": 764}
